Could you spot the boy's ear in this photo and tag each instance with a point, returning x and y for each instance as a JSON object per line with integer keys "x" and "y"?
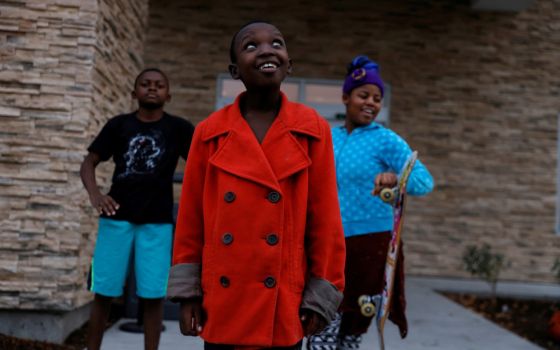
{"x": 133, "y": 94}
{"x": 345, "y": 99}
{"x": 233, "y": 71}
{"x": 289, "y": 66}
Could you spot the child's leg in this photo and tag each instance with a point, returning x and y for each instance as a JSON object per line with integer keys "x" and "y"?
{"x": 352, "y": 326}
{"x": 327, "y": 339}
{"x": 108, "y": 274}
{"x": 364, "y": 270}
{"x": 152, "y": 259}
{"x": 98, "y": 318}
{"x": 349, "y": 342}
{"x": 153, "y": 317}
{"x": 111, "y": 257}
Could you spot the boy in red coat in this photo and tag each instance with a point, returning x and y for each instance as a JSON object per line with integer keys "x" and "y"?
{"x": 258, "y": 258}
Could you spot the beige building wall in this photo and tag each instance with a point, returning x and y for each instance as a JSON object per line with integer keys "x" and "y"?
{"x": 476, "y": 93}
{"x": 66, "y": 66}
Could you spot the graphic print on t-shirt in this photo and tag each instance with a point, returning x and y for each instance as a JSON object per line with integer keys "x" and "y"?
{"x": 143, "y": 154}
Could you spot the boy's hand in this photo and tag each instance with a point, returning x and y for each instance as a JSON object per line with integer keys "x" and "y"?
{"x": 104, "y": 204}
{"x": 312, "y": 322}
{"x": 190, "y": 317}
{"x": 384, "y": 180}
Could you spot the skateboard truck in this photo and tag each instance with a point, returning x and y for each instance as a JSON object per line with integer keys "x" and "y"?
{"x": 369, "y": 304}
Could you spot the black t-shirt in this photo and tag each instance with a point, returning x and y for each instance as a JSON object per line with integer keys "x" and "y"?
{"x": 145, "y": 156}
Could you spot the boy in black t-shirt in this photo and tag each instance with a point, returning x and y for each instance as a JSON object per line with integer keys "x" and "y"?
{"x": 136, "y": 215}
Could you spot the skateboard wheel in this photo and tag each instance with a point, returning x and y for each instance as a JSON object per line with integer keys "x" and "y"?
{"x": 368, "y": 309}
{"x": 363, "y": 299}
{"x": 387, "y": 195}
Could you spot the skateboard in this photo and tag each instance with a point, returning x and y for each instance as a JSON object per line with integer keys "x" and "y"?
{"x": 377, "y": 306}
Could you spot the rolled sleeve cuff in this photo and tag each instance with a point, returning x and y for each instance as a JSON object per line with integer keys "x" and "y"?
{"x": 184, "y": 282}
{"x": 322, "y": 297}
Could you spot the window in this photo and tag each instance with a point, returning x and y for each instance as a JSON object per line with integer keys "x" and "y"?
{"x": 323, "y": 95}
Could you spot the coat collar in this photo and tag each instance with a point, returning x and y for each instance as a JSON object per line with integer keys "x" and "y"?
{"x": 280, "y": 154}
{"x": 297, "y": 117}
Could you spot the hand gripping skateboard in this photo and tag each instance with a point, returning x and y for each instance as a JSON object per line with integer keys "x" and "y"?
{"x": 377, "y": 306}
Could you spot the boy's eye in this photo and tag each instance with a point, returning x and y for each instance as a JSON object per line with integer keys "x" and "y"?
{"x": 277, "y": 44}
{"x": 250, "y": 46}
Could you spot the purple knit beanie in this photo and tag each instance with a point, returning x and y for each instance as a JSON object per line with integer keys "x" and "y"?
{"x": 362, "y": 71}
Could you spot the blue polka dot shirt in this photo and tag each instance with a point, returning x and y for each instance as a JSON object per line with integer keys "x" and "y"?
{"x": 360, "y": 156}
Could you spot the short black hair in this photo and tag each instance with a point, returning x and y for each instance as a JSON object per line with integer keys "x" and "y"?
{"x": 151, "y": 69}
{"x": 232, "y": 56}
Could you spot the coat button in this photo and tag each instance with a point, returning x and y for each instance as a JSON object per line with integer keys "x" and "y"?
{"x": 227, "y": 238}
{"x": 229, "y": 197}
{"x": 224, "y": 281}
{"x": 269, "y": 282}
{"x": 272, "y": 239}
{"x": 273, "y": 196}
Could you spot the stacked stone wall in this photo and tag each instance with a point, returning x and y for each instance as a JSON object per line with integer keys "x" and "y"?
{"x": 53, "y": 99}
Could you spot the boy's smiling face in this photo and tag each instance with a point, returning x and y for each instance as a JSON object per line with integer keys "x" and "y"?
{"x": 261, "y": 56}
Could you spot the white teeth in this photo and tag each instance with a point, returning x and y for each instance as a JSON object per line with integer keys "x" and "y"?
{"x": 268, "y": 65}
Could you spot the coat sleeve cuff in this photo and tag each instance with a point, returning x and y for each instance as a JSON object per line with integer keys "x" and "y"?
{"x": 184, "y": 282}
{"x": 322, "y": 297}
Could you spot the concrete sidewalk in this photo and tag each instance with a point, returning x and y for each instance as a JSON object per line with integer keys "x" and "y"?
{"x": 434, "y": 323}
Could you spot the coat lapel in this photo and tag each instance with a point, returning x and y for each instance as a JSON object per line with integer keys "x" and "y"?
{"x": 280, "y": 154}
{"x": 285, "y": 154}
{"x": 241, "y": 154}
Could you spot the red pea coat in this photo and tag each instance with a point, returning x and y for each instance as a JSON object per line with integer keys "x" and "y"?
{"x": 261, "y": 225}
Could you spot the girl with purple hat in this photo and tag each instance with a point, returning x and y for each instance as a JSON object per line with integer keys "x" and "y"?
{"x": 367, "y": 155}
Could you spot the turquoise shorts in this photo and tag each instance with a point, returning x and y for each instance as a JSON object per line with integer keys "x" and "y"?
{"x": 118, "y": 242}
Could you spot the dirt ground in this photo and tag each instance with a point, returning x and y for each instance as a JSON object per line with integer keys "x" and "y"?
{"x": 527, "y": 318}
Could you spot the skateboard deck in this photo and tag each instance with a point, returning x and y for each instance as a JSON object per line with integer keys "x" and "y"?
{"x": 377, "y": 306}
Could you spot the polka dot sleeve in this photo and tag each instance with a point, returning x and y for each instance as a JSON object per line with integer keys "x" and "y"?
{"x": 395, "y": 151}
